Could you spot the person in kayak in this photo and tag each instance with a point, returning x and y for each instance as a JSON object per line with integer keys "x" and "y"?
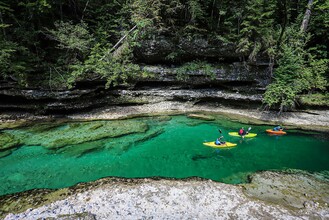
{"x": 242, "y": 132}
{"x": 219, "y": 141}
{"x": 278, "y": 128}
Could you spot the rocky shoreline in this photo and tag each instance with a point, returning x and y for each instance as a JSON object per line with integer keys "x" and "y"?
{"x": 315, "y": 120}
{"x": 269, "y": 195}
{"x": 194, "y": 198}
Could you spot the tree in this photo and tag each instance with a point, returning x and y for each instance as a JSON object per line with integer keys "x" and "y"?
{"x": 307, "y": 16}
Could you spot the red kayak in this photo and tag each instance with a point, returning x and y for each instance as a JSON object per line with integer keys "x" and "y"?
{"x": 270, "y": 131}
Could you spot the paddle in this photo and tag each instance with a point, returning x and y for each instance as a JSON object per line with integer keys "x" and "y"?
{"x": 220, "y": 131}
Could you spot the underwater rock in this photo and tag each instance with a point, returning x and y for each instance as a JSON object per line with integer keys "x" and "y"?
{"x": 77, "y": 133}
{"x": 8, "y": 141}
{"x": 150, "y": 135}
{"x": 16, "y": 177}
{"x": 5, "y": 153}
{"x": 201, "y": 116}
{"x": 163, "y": 118}
{"x": 295, "y": 190}
{"x": 81, "y": 149}
{"x": 120, "y": 146}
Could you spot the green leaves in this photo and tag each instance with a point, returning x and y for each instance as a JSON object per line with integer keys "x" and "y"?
{"x": 195, "y": 10}
{"x": 257, "y": 29}
{"x": 182, "y": 73}
{"x": 72, "y": 37}
{"x": 10, "y": 66}
{"x": 297, "y": 72}
{"x": 101, "y": 64}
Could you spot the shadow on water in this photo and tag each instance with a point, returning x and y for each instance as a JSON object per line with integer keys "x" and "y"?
{"x": 215, "y": 154}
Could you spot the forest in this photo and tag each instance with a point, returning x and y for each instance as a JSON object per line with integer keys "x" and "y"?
{"x": 63, "y": 41}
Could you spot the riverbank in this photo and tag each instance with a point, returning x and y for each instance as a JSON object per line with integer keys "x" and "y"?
{"x": 315, "y": 120}
{"x": 114, "y": 198}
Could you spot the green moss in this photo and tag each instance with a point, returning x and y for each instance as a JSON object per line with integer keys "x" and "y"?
{"x": 8, "y": 141}
{"x": 16, "y": 203}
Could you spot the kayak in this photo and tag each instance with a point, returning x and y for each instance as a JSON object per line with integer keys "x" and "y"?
{"x": 270, "y": 131}
{"x": 226, "y": 145}
{"x": 236, "y": 134}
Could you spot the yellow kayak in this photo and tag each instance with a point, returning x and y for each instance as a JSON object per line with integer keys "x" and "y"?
{"x": 226, "y": 145}
{"x": 236, "y": 134}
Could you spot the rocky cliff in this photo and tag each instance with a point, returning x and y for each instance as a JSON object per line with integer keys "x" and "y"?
{"x": 232, "y": 82}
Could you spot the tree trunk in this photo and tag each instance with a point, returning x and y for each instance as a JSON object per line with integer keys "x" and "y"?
{"x": 307, "y": 16}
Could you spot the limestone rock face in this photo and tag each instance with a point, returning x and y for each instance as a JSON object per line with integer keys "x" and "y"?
{"x": 161, "y": 56}
{"x": 231, "y": 82}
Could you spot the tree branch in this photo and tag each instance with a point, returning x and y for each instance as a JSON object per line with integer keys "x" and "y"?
{"x": 115, "y": 46}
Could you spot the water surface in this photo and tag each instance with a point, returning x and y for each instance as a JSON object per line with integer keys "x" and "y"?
{"x": 167, "y": 148}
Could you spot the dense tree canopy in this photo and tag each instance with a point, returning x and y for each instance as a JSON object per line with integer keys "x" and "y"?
{"x": 67, "y": 40}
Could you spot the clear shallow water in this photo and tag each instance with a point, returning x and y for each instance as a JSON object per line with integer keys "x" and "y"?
{"x": 176, "y": 151}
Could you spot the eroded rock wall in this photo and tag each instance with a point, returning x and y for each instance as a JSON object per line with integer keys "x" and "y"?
{"x": 232, "y": 82}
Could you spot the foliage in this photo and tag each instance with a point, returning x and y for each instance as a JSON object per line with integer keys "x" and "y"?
{"x": 313, "y": 77}
{"x": 99, "y": 62}
{"x": 318, "y": 99}
{"x": 61, "y": 42}
{"x": 257, "y": 29}
{"x": 72, "y": 37}
{"x": 286, "y": 86}
{"x": 182, "y": 73}
{"x": 298, "y": 71}
{"x": 10, "y": 66}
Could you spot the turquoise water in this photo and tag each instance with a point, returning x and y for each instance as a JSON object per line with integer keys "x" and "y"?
{"x": 174, "y": 150}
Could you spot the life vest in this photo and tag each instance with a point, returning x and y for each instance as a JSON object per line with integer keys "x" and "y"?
{"x": 241, "y": 131}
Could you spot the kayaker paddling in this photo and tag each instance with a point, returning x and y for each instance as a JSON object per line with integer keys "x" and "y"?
{"x": 219, "y": 139}
{"x": 278, "y": 128}
{"x": 243, "y": 132}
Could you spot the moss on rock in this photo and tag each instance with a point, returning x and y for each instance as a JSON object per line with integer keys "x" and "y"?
{"x": 8, "y": 141}
{"x": 53, "y": 137}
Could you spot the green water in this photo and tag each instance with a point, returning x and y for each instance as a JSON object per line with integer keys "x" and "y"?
{"x": 173, "y": 150}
